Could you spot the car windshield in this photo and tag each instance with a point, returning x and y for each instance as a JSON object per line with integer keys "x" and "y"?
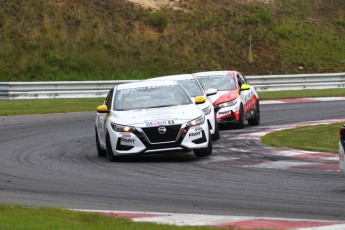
{"x": 192, "y": 87}
{"x": 150, "y": 97}
{"x": 220, "y": 83}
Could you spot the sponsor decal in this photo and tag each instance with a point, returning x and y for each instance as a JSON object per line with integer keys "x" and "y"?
{"x": 222, "y": 113}
{"x": 127, "y": 141}
{"x": 196, "y": 128}
{"x": 159, "y": 123}
{"x": 195, "y": 135}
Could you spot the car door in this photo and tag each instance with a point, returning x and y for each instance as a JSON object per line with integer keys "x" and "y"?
{"x": 101, "y": 118}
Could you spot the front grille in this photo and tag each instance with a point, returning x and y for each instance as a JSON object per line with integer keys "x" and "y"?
{"x": 155, "y": 137}
{"x": 164, "y": 146}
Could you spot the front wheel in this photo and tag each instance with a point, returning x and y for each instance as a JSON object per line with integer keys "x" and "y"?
{"x": 109, "y": 150}
{"x": 240, "y": 123}
{"x": 100, "y": 152}
{"x": 216, "y": 134}
{"x": 256, "y": 119}
{"x": 205, "y": 151}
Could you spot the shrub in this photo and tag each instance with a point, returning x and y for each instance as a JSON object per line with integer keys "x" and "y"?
{"x": 159, "y": 20}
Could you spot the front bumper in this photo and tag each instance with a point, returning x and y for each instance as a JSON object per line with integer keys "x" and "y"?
{"x": 148, "y": 140}
{"x": 229, "y": 114}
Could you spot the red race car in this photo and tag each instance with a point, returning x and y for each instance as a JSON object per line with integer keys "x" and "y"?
{"x": 236, "y": 101}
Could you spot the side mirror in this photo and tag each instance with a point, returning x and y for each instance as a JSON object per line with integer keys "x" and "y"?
{"x": 199, "y": 100}
{"x": 245, "y": 87}
{"x": 211, "y": 92}
{"x": 102, "y": 109}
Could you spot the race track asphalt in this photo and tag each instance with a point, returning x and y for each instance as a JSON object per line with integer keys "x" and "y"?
{"x": 51, "y": 160}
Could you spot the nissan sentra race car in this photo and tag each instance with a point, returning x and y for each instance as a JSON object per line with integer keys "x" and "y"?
{"x": 194, "y": 89}
{"x": 151, "y": 117}
{"x": 235, "y": 101}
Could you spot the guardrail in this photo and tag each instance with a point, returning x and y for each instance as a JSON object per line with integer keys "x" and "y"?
{"x": 57, "y": 89}
{"x": 87, "y": 89}
{"x": 298, "y": 81}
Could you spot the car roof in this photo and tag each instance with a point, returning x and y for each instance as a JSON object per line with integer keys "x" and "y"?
{"x": 174, "y": 77}
{"x": 215, "y": 73}
{"x": 146, "y": 84}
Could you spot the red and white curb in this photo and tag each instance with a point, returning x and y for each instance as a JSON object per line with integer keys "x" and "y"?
{"x": 302, "y": 100}
{"x": 294, "y": 159}
{"x": 271, "y": 129}
{"x": 242, "y": 222}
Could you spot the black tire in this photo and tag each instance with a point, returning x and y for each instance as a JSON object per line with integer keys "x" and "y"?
{"x": 216, "y": 134}
{"x": 256, "y": 119}
{"x": 205, "y": 151}
{"x": 109, "y": 150}
{"x": 100, "y": 152}
{"x": 240, "y": 123}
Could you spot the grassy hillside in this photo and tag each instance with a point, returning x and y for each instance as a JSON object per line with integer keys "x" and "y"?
{"x": 115, "y": 39}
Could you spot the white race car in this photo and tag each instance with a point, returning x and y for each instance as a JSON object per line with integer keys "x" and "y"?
{"x": 150, "y": 117}
{"x": 194, "y": 89}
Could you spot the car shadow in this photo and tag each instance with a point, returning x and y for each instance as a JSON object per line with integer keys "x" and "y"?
{"x": 164, "y": 157}
{"x": 229, "y": 127}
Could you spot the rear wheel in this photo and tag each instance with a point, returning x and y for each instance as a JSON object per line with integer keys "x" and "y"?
{"x": 205, "y": 151}
{"x": 240, "y": 123}
{"x": 216, "y": 134}
{"x": 110, "y": 155}
{"x": 100, "y": 152}
{"x": 256, "y": 119}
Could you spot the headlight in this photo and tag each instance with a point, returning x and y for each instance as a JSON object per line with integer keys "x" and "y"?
{"x": 121, "y": 128}
{"x": 228, "y": 103}
{"x": 207, "y": 110}
{"x": 198, "y": 121}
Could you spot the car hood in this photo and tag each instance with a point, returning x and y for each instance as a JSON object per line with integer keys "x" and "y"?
{"x": 157, "y": 116}
{"x": 223, "y": 96}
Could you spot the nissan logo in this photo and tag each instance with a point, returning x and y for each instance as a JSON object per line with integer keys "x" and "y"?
{"x": 162, "y": 130}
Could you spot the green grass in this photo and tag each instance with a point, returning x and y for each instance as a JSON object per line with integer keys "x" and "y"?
{"x": 319, "y": 138}
{"x": 43, "y": 106}
{"x": 15, "y": 217}
{"x": 49, "y": 40}
{"x": 301, "y": 94}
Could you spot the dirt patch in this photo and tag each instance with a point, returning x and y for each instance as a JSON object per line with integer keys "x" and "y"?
{"x": 264, "y": 1}
{"x": 156, "y": 4}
